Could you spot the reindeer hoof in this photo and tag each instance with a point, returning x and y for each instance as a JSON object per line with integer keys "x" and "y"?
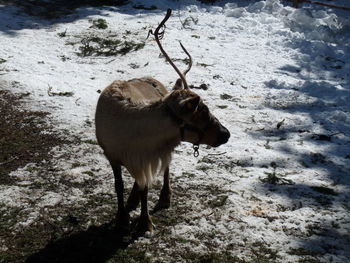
{"x": 163, "y": 202}
{"x": 145, "y": 227}
{"x": 161, "y": 205}
{"x": 148, "y": 234}
{"x": 123, "y": 223}
{"x": 131, "y": 207}
{"x": 132, "y": 203}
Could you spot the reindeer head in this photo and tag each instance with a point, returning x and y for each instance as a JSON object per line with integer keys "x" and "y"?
{"x": 197, "y": 124}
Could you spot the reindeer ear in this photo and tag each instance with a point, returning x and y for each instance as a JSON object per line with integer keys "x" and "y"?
{"x": 178, "y": 85}
{"x": 190, "y": 104}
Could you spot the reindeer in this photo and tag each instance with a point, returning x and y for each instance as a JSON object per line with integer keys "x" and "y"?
{"x": 138, "y": 125}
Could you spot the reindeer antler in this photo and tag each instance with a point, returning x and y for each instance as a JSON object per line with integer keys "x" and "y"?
{"x": 190, "y": 59}
{"x": 158, "y": 35}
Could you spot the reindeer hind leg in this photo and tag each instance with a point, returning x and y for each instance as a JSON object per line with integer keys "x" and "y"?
{"x": 165, "y": 194}
{"x": 134, "y": 198}
{"x": 123, "y": 218}
{"x": 145, "y": 225}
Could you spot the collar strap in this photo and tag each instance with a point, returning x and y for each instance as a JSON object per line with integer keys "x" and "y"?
{"x": 183, "y": 126}
{"x": 179, "y": 122}
{"x": 182, "y": 132}
{"x": 199, "y": 133}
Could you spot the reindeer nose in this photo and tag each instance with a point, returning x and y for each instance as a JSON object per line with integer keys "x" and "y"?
{"x": 224, "y": 135}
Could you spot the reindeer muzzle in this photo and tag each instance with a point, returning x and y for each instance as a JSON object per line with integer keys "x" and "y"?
{"x": 223, "y": 137}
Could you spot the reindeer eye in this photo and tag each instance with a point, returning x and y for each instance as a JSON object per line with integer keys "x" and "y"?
{"x": 204, "y": 111}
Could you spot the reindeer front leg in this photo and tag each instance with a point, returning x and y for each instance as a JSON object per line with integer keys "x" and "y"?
{"x": 145, "y": 222}
{"x": 165, "y": 193}
{"x": 123, "y": 218}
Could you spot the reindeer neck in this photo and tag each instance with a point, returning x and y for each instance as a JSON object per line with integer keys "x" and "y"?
{"x": 159, "y": 121}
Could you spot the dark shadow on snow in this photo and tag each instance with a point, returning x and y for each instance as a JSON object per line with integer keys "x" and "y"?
{"x": 17, "y": 15}
{"x": 323, "y": 70}
{"x": 329, "y": 109}
{"x": 96, "y": 244}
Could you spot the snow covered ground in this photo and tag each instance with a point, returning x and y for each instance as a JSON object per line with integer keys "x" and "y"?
{"x": 278, "y": 78}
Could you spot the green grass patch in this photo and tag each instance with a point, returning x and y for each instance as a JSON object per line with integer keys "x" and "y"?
{"x": 90, "y": 173}
{"x": 218, "y": 201}
{"x": 99, "y": 23}
{"x": 62, "y": 34}
{"x": 225, "y": 96}
{"x": 60, "y": 94}
{"x": 93, "y": 142}
{"x": 77, "y": 164}
{"x": 107, "y": 46}
{"x": 273, "y": 178}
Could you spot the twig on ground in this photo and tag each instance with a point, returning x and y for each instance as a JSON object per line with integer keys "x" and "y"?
{"x": 8, "y": 161}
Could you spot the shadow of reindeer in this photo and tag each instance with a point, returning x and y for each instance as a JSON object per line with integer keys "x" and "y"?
{"x": 96, "y": 244}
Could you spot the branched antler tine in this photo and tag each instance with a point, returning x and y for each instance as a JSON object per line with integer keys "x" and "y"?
{"x": 168, "y": 14}
{"x": 190, "y": 59}
{"x": 157, "y": 34}
{"x": 161, "y": 34}
{"x": 150, "y": 32}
